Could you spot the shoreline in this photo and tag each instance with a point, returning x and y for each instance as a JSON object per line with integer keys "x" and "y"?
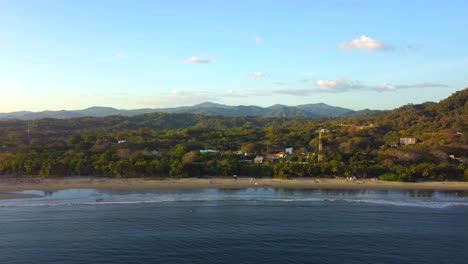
{"x": 10, "y": 185}
{"x": 7, "y": 195}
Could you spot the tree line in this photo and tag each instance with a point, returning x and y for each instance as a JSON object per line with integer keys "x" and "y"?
{"x": 167, "y": 145}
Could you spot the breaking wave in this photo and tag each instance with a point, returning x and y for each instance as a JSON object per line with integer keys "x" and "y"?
{"x": 90, "y": 197}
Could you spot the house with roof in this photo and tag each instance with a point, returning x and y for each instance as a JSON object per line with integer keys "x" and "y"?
{"x": 281, "y": 155}
{"x": 408, "y": 141}
{"x": 273, "y": 158}
{"x": 208, "y": 151}
{"x": 259, "y": 159}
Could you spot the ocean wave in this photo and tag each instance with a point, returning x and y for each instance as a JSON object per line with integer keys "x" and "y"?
{"x": 428, "y": 204}
{"x": 84, "y": 197}
{"x": 240, "y": 199}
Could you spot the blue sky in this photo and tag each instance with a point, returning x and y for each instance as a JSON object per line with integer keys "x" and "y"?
{"x": 136, "y": 54}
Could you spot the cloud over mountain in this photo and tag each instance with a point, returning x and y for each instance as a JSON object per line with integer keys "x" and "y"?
{"x": 338, "y": 85}
{"x": 344, "y": 85}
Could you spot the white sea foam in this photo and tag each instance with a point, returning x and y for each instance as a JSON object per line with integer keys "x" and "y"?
{"x": 428, "y": 204}
{"x": 96, "y": 198}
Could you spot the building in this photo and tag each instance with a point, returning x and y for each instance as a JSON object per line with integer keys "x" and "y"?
{"x": 289, "y": 151}
{"x": 259, "y": 159}
{"x": 208, "y": 151}
{"x": 408, "y": 141}
{"x": 273, "y": 158}
{"x": 281, "y": 155}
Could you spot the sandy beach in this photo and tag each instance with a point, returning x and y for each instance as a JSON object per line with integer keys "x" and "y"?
{"x": 9, "y": 185}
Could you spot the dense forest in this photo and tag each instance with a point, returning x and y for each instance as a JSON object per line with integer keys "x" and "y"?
{"x": 168, "y": 145}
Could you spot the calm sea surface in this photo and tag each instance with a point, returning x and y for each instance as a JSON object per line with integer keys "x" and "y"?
{"x": 235, "y": 226}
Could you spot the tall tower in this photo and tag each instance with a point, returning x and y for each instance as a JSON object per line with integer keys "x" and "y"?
{"x": 29, "y": 133}
{"x": 320, "y": 154}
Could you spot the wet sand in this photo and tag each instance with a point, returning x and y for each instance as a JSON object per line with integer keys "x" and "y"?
{"x": 7, "y": 195}
{"x": 9, "y": 185}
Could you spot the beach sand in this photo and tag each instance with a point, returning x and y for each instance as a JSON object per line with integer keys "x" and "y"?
{"x": 4, "y": 196}
{"x": 9, "y": 185}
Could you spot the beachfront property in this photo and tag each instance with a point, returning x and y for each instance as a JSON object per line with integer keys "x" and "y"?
{"x": 259, "y": 159}
{"x": 208, "y": 151}
{"x": 274, "y": 158}
{"x": 408, "y": 141}
{"x": 281, "y": 155}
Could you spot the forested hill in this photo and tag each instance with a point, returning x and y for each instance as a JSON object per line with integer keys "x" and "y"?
{"x": 169, "y": 144}
{"x": 308, "y": 110}
{"x": 450, "y": 114}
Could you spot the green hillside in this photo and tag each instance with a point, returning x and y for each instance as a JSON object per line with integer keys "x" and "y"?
{"x": 168, "y": 144}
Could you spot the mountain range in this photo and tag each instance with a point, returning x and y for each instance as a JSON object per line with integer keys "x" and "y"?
{"x": 308, "y": 110}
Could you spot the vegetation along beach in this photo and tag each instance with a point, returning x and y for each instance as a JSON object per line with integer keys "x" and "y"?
{"x": 424, "y": 142}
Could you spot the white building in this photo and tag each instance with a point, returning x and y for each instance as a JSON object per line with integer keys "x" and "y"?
{"x": 408, "y": 141}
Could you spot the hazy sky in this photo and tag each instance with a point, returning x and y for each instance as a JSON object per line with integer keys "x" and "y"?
{"x": 133, "y": 54}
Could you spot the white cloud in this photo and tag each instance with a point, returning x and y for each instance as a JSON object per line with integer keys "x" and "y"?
{"x": 179, "y": 97}
{"x": 421, "y": 85}
{"x": 121, "y": 55}
{"x": 343, "y": 85}
{"x": 338, "y": 85}
{"x": 363, "y": 43}
{"x": 257, "y": 75}
{"x": 200, "y": 60}
{"x": 388, "y": 87}
{"x": 258, "y": 40}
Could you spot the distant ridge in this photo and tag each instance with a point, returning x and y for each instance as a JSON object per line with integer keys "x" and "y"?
{"x": 207, "y": 108}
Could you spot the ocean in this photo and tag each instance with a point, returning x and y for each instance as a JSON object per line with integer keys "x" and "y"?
{"x": 235, "y": 226}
